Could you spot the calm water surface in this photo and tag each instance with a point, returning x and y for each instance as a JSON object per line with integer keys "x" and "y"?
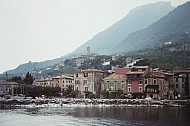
{"x": 95, "y": 116}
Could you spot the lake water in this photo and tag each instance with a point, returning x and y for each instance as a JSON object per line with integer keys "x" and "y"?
{"x": 96, "y": 116}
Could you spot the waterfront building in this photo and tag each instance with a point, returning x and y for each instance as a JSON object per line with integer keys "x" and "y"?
{"x": 89, "y": 81}
{"x": 135, "y": 81}
{"x": 116, "y": 82}
{"x": 156, "y": 85}
{"x": 6, "y": 87}
{"x": 63, "y": 82}
{"x": 43, "y": 82}
{"x": 180, "y": 84}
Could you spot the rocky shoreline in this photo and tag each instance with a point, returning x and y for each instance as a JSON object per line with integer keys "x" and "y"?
{"x": 74, "y": 102}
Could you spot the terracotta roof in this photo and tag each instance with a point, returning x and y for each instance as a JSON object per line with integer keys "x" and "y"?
{"x": 155, "y": 74}
{"x": 115, "y": 76}
{"x": 136, "y": 72}
{"x": 122, "y": 70}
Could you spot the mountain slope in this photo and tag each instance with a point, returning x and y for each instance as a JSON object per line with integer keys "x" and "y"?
{"x": 137, "y": 19}
{"x": 174, "y": 27}
{"x": 102, "y": 43}
{"x": 30, "y": 66}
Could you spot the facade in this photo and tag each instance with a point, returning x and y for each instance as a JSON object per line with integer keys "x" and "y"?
{"x": 156, "y": 85}
{"x": 89, "y": 81}
{"x": 180, "y": 84}
{"x": 135, "y": 80}
{"x": 115, "y": 82}
{"x": 79, "y": 60}
{"x": 6, "y": 87}
{"x": 63, "y": 81}
{"x": 44, "y": 82}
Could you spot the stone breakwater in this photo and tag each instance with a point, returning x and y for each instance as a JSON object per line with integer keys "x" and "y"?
{"x": 69, "y": 102}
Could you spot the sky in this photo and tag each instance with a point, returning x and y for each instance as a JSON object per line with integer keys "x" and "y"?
{"x": 38, "y": 30}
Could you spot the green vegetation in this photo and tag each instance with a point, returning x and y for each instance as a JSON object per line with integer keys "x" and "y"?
{"x": 89, "y": 95}
{"x": 137, "y": 95}
{"x": 38, "y": 91}
{"x": 170, "y": 60}
{"x": 27, "y": 80}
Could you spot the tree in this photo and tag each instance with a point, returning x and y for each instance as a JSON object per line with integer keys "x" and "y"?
{"x": 28, "y": 79}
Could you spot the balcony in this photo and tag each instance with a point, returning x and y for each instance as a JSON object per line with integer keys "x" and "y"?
{"x": 152, "y": 89}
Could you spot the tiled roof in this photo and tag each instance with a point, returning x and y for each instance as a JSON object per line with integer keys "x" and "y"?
{"x": 136, "y": 72}
{"x": 155, "y": 74}
{"x": 122, "y": 70}
{"x": 115, "y": 76}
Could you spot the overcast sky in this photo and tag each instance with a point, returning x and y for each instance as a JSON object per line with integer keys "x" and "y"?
{"x": 37, "y": 30}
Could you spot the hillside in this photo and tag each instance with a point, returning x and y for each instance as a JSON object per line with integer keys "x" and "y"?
{"x": 174, "y": 27}
{"x": 30, "y": 66}
{"x": 137, "y": 19}
{"x": 102, "y": 43}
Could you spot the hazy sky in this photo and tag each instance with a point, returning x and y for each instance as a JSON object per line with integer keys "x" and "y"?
{"x": 37, "y": 30}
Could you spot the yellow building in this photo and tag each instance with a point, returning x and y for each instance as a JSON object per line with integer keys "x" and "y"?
{"x": 89, "y": 81}
{"x": 63, "y": 81}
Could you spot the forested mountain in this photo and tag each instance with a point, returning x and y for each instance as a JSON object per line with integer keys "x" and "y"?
{"x": 174, "y": 27}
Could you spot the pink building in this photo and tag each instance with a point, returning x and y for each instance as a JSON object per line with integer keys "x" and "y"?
{"x": 135, "y": 81}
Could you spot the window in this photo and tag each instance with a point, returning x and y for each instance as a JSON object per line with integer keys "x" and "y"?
{"x": 122, "y": 86}
{"x": 63, "y": 81}
{"x": 182, "y": 79}
{"x": 146, "y": 81}
{"x": 129, "y": 82}
{"x": 140, "y": 82}
{"x": 140, "y": 70}
{"x": 140, "y": 89}
{"x": 85, "y": 81}
{"x": 176, "y": 85}
{"x": 85, "y": 74}
{"x": 176, "y": 79}
{"x": 86, "y": 89}
{"x": 129, "y": 89}
{"x": 77, "y": 82}
{"x": 77, "y": 88}
{"x": 154, "y": 81}
{"x": 77, "y": 75}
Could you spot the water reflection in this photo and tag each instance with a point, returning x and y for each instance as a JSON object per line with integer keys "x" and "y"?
{"x": 103, "y": 116}
{"x": 146, "y": 115}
